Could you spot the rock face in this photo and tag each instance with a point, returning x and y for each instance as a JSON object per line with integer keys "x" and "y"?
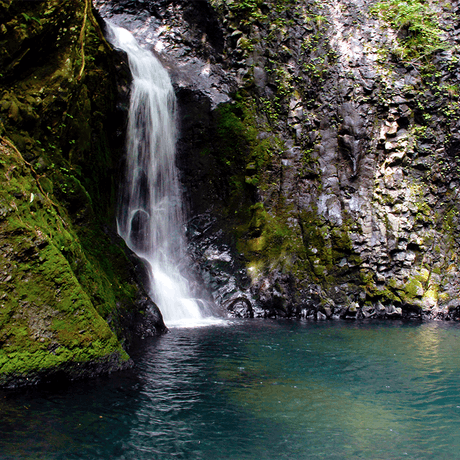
{"x": 69, "y": 302}
{"x": 319, "y": 151}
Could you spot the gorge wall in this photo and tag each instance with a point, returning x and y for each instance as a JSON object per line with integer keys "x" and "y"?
{"x": 319, "y": 150}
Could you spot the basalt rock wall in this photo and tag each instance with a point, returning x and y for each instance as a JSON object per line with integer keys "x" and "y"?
{"x": 319, "y": 155}
{"x": 319, "y": 151}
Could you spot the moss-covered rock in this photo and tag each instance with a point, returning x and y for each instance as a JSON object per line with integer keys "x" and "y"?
{"x": 69, "y": 297}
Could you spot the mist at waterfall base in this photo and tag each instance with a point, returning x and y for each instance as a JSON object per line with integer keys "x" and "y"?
{"x": 151, "y": 219}
{"x": 256, "y": 390}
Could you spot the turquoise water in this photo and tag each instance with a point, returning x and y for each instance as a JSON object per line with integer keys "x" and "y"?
{"x": 256, "y": 390}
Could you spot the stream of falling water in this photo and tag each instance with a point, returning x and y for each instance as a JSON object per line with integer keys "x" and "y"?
{"x": 150, "y": 218}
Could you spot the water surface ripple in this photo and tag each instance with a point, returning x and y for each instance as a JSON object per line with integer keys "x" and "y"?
{"x": 256, "y": 390}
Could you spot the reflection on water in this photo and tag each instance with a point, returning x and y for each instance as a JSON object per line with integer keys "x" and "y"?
{"x": 256, "y": 390}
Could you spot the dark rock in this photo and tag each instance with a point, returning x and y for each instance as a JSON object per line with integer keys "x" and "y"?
{"x": 355, "y": 151}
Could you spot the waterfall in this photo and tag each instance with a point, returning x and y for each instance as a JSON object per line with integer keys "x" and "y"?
{"x": 150, "y": 219}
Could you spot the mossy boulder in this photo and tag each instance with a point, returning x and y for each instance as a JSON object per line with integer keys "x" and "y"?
{"x": 70, "y": 302}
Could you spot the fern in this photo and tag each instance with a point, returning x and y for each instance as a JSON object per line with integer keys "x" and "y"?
{"x": 418, "y": 24}
{"x": 30, "y": 18}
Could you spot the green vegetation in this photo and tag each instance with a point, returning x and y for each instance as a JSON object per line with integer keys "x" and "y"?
{"x": 417, "y": 26}
{"x": 266, "y": 233}
{"x": 248, "y": 11}
{"x": 50, "y": 289}
{"x": 67, "y": 293}
{"x": 271, "y": 233}
{"x": 242, "y": 155}
{"x": 31, "y": 18}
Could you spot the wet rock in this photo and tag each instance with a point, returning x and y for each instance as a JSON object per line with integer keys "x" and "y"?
{"x": 320, "y": 316}
{"x": 360, "y": 142}
{"x": 240, "y": 307}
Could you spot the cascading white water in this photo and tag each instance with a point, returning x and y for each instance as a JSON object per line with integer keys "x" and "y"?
{"x": 150, "y": 218}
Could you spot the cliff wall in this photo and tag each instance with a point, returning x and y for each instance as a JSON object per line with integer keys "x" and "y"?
{"x": 319, "y": 150}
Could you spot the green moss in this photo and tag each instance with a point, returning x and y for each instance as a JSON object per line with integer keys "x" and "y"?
{"x": 430, "y": 296}
{"x": 413, "y": 289}
{"x": 303, "y": 247}
{"x": 419, "y": 291}
{"x": 420, "y": 22}
{"x": 45, "y": 304}
{"x": 271, "y": 232}
{"x": 241, "y": 154}
{"x": 374, "y": 293}
{"x": 272, "y": 235}
{"x": 246, "y": 11}
{"x": 62, "y": 278}
{"x": 327, "y": 246}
